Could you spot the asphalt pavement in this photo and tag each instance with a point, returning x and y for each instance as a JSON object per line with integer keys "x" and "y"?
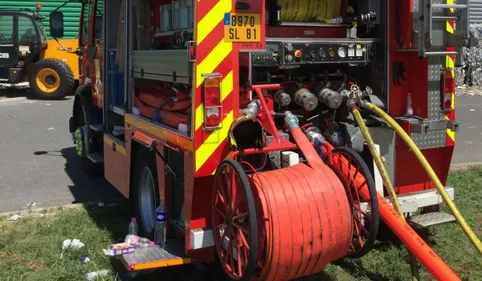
{"x": 38, "y": 162}
{"x": 468, "y": 141}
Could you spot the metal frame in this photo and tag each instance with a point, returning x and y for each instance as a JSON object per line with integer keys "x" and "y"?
{"x": 425, "y": 27}
{"x": 162, "y": 65}
{"x": 412, "y": 202}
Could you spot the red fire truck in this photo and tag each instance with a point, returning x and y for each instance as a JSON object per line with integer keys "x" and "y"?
{"x": 247, "y": 118}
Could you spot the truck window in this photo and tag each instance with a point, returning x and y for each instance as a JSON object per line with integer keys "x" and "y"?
{"x": 41, "y": 28}
{"x": 98, "y": 28}
{"x": 6, "y": 29}
{"x": 87, "y": 12}
{"x": 85, "y": 24}
{"x": 27, "y": 33}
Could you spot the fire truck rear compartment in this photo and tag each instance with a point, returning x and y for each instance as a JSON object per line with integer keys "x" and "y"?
{"x": 316, "y": 61}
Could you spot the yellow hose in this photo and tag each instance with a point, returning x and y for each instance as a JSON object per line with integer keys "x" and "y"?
{"x": 441, "y": 189}
{"x": 386, "y": 179}
{"x": 236, "y": 122}
{"x": 309, "y": 10}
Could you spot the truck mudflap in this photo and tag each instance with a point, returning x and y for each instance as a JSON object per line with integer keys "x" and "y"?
{"x": 71, "y": 125}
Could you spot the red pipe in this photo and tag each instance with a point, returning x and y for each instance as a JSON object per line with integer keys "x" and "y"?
{"x": 415, "y": 244}
{"x": 272, "y": 148}
{"x": 306, "y": 148}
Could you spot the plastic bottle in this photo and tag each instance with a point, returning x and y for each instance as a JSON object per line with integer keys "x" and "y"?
{"x": 161, "y": 222}
{"x": 409, "y": 104}
{"x": 133, "y": 226}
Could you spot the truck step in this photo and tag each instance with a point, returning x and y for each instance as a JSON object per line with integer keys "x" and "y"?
{"x": 155, "y": 257}
{"x": 96, "y": 127}
{"x": 431, "y": 219}
{"x": 95, "y": 158}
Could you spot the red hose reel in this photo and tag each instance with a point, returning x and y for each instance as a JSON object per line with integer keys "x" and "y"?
{"x": 281, "y": 224}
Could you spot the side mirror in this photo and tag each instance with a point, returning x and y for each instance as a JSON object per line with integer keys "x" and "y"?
{"x": 56, "y": 24}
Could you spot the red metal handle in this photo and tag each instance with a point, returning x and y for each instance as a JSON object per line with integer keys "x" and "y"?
{"x": 264, "y": 114}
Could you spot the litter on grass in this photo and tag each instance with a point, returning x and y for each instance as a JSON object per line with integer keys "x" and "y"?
{"x": 72, "y": 243}
{"x": 14, "y": 218}
{"x": 92, "y": 275}
{"x": 84, "y": 258}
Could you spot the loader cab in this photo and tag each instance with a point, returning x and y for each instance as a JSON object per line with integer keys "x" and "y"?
{"x": 22, "y": 38}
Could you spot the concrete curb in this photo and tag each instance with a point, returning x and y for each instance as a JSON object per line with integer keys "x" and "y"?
{"x": 12, "y": 99}
{"x": 38, "y": 210}
{"x": 462, "y": 166}
{"x": 67, "y": 206}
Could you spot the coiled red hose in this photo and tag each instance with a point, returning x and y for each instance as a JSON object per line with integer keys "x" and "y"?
{"x": 306, "y": 215}
{"x": 307, "y": 225}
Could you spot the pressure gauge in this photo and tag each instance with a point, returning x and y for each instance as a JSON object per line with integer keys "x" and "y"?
{"x": 331, "y": 52}
{"x": 341, "y": 52}
{"x": 312, "y": 55}
{"x": 322, "y": 53}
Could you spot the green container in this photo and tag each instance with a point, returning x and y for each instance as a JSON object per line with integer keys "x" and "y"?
{"x": 71, "y": 13}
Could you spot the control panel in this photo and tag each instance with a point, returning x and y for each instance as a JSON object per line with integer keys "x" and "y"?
{"x": 268, "y": 58}
{"x": 285, "y": 53}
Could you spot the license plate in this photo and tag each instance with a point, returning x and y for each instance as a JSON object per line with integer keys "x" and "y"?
{"x": 239, "y": 27}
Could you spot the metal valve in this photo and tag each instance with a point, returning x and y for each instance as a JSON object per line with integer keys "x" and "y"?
{"x": 282, "y": 98}
{"x": 252, "y": 110}
{"x": 355, "y": 94}
{"x": 306, "y": 99}
{"x": 368, "y": 91}
{"x": 331, "y": 98}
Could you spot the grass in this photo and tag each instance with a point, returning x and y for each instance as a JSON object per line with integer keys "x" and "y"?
{"x": 30, "y": 248}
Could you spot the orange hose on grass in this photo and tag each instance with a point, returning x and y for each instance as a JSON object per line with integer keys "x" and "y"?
{"x": 415, "y": 244}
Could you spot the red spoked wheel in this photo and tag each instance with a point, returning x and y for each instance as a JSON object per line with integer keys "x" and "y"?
{"x": 355, "y": 174}
{"x": 234, "y": 221}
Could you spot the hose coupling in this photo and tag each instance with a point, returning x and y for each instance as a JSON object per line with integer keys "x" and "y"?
{"x": 291, "y": 120}
{"x": 330, "y": 98}
{"x": 314, "y": 135}
{"x": 364, "y": 103}
{"x": 252, "y": 110}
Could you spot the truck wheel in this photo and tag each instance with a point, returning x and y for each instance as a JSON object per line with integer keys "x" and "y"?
{"x": 145, "y": 193}
{"x": 51, "y": 79}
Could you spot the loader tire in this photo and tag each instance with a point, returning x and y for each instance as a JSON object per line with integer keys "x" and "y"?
{"x": 51, "y": 79}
